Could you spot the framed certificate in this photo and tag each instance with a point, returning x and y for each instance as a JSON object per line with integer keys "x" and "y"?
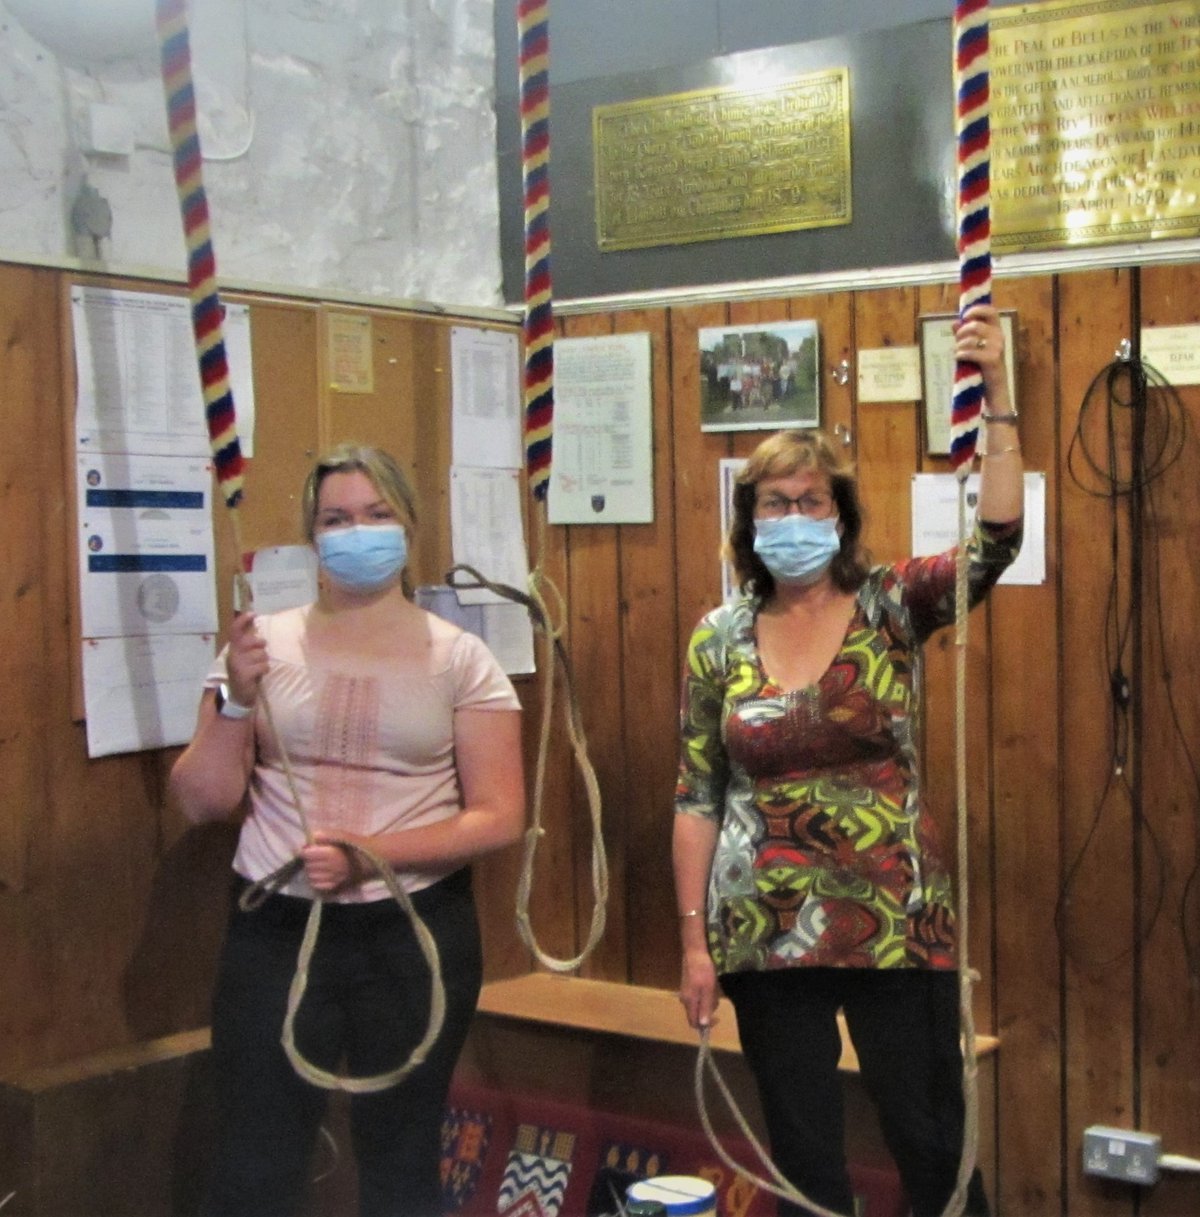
{"x": 937, "y": 373}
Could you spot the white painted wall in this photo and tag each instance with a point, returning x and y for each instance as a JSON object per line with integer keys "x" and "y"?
{"x": 349, "y": 144}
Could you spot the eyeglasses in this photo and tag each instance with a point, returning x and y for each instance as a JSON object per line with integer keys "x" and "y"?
{"x": 814, "y": 505}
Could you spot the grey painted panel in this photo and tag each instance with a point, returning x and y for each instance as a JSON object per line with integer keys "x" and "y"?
{"x": 760, "y": 23}
{"x": 902, "y": 151}
{"x": 616, "y": 37}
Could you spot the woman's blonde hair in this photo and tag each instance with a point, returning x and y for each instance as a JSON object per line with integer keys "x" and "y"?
{"x": 385, "y": 474}
{"x": 781, "y": 455}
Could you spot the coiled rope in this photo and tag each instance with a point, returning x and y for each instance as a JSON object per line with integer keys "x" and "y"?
{"x": 221, "y": 416}
{"x": 777, "y": 1184}
{"x": 533, "y": 29}
{"x": 554, "y": 659}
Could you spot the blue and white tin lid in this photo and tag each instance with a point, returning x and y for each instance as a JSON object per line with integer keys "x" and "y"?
{"x": 680, "y": 1195}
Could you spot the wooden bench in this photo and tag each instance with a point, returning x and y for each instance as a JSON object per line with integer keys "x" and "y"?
{"x": 627, "y": 1050}
{"x": 122, "y": 1132}
{"x": 126, "y": 1132}
{"x": 630, "y": 1010}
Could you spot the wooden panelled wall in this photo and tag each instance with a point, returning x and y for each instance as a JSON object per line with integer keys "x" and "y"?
{"x": 111, "y": 909}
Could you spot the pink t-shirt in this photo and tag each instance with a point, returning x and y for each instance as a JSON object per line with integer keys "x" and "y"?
{"x": 370, "y": 743}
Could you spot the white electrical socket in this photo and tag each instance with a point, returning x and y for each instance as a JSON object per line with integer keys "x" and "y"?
{"x": 1119, "y": 1153}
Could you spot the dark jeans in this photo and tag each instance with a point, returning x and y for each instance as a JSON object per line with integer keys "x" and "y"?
{"x": 905, "y": 1028}
{"x": 365, "y": 1008}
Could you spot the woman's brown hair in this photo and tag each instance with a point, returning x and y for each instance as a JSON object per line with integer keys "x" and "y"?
{"x": 781, "y": 455}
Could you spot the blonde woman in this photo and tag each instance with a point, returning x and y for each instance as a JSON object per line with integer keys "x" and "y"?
{"x": 403, "y": 734}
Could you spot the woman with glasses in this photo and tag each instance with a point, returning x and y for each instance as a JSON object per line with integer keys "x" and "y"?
{"x": 808, "y": 871}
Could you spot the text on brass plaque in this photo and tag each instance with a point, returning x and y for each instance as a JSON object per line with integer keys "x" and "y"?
{"x": 1095, "y": 122}
{"x": 727, "y": 162}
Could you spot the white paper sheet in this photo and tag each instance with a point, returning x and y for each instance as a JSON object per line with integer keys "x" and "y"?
{"x": 935, "y": 521}
{"x": 145, "y": 545}
{"x": 486, "y": 399}
{"x": 889, "y": 374}
{"x": 727, "y": 470}
{"x": 141, "y": 693}
{"x": 505, "y": 627}
{"x": 509, "y": 634}
{"x": 1173, "y": 351}
{"x": 603, "y": 431}
{"x": 283, "y": 577}
{"x": 138, "y": 381}
{"x": 486, "y": 527}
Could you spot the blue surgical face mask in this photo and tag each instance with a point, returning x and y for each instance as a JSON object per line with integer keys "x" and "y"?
{"x": 796, "y": 549}
{"x": 365, "y": 556}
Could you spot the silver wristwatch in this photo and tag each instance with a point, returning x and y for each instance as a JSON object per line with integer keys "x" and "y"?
{"x": 227, "y": 707}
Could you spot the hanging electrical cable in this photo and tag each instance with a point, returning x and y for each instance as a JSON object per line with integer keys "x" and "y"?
{"x": 1130, "y": 430}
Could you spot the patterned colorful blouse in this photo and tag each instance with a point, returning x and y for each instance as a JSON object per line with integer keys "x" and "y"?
{"x": 825, "y": 855}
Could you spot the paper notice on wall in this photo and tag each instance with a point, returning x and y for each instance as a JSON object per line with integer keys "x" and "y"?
{"x": 141, "y": 693}
{"x": 504, "y": 627}
{"x": 350, "y": 350}
{"x": 935, "y": 521}
{"x": 1174, "y": 352}
{"x": 145, "y": 545}
{"x": 603, "y": 431}
{"x": 138, "y": 384}
{"x": 889, "y": 374}
{"x": 488, "y": 535}
{"x": 485, "y": 399}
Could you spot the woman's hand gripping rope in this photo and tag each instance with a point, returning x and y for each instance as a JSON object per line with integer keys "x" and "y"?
{"x": 361, "y": 860}
{"x": 330, "y": 862}
{"x": 246, "y": 660}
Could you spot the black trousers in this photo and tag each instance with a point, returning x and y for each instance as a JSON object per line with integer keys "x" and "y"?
{"x": 905, "y": 1027}
{"x": 365, "y": 1009}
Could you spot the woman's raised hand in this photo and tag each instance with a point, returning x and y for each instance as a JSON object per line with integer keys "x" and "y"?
{"x": 979, "y": 339}
{"x": 246, "y": 660}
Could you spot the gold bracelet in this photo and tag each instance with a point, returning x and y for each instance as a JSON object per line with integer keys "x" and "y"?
{"x": 691, "y": 913}
{"x": 1002, "y": 451}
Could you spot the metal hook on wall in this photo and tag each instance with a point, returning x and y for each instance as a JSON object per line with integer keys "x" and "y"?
{"x": 842, "y": 432}
{"x": 841, "y": 372}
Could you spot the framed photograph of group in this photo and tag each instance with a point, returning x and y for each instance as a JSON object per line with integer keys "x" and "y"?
{"x": 760, "y": 377}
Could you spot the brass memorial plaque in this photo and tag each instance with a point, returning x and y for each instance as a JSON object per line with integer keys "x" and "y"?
{"x": 1095, "y": 123}
{"x": 728, "y": 162}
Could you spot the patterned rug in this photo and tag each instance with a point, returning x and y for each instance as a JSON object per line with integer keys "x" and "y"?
{"x": 526, "y": 1156}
